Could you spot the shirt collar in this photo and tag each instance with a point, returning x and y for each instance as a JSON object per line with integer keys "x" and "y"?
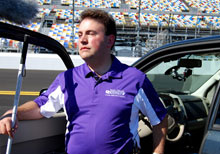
{"x": 115, "y": 70}
{"x": 88, "y": 73}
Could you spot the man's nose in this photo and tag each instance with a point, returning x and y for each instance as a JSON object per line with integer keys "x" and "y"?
{"x": 83, "y": 39}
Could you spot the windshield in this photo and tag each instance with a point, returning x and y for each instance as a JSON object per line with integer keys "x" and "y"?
{"x": 186, "y": 74}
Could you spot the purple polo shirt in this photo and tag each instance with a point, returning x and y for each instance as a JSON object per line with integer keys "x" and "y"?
{"x": 102, "y": 113}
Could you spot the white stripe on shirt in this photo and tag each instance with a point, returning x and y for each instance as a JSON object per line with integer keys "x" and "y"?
{"x": 54, "y": 104}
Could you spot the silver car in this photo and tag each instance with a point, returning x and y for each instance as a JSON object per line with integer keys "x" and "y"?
{"x": 186, "y": 76}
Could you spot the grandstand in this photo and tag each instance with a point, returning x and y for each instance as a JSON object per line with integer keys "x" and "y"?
{"x": 142, "y": 24}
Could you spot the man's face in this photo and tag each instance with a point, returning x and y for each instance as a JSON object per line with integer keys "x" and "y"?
{"x": 93, "y": 43}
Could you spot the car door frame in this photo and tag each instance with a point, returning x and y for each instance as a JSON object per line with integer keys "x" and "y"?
{"x": 211, "y": 139}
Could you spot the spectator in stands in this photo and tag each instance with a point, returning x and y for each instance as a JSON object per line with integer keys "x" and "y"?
{"x": 101, "y": 98}
{"x": 20, "y": 46}
{"x": 5, "y": 45}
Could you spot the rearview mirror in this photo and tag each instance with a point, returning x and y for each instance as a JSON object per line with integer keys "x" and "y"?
{"x": 190, "y": 63}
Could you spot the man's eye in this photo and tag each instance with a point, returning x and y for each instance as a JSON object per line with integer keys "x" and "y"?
{"x": 92, "y": 33}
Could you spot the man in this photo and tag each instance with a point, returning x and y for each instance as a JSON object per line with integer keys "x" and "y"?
{"x": 101, "y": 98}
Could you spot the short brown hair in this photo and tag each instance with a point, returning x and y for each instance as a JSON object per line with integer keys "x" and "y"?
{"x": 103, "y": 18}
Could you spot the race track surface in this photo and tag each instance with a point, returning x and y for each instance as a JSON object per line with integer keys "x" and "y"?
{"x": 33, "y": 82}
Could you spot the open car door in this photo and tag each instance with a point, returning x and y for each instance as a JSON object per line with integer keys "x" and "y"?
{"x": 37, "y": 136}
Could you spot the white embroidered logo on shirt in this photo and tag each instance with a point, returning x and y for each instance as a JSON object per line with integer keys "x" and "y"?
{"x": 115, "y": 92}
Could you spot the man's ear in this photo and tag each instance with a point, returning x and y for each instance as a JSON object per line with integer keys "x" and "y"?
{"x": 110, "y": 41}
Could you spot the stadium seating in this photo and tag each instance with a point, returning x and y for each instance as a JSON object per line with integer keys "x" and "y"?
{"x": 61, "y": 28}
{"x": 155, "y": 5}
{"x": 67, "y": 14}
{"x": 188, "y": 21}
{"x": 206, "y": 6}
{"x": 63, "y": 14}
{"x": 43, "y": 12}
{"x": 44, "y": 2}
{"x": 66, "y": 2}
{"x": 93, "y": 3}
{"x": 35, "y": 26}
{"x": 63, "y": 34}
{"x": 214, "y": 22}
{"x": 119, "y": 17}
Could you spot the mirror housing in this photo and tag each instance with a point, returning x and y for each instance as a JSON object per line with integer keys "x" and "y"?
{"x": 190, "y": 63}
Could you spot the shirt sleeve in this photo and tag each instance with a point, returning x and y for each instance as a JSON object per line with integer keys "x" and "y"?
{"x": 51, "y": 101}
{"x": 148, "y": 102}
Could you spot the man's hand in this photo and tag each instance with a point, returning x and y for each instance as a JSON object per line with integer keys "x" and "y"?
{"x": 27, "y": 111}
{"x": 6, "y": 125}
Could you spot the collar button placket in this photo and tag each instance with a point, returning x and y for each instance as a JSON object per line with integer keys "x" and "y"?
{"x": 95, "y": 90}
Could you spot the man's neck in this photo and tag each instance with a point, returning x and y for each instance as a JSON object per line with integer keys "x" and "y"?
{"x": 101, "y": 67}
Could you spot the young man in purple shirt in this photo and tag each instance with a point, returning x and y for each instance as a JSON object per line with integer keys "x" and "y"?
{"x": 101, "y": 98}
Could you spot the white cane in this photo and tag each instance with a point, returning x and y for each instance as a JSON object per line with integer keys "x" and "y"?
{"x": 18, "y": 89}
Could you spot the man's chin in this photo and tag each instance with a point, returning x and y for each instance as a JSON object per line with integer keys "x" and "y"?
{"x": 85, "y": 57}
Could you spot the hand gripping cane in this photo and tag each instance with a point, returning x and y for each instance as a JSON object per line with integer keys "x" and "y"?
{"x": 18, "y": 89}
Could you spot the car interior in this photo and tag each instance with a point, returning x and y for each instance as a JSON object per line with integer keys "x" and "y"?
{"x": 186, "y": 86}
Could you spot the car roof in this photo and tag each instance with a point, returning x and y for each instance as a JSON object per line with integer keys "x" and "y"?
{"x": 178, "y": 49}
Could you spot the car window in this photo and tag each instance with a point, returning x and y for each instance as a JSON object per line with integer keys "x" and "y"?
{"x": 217, "y": 120}
{"x": 168, "y": 76}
